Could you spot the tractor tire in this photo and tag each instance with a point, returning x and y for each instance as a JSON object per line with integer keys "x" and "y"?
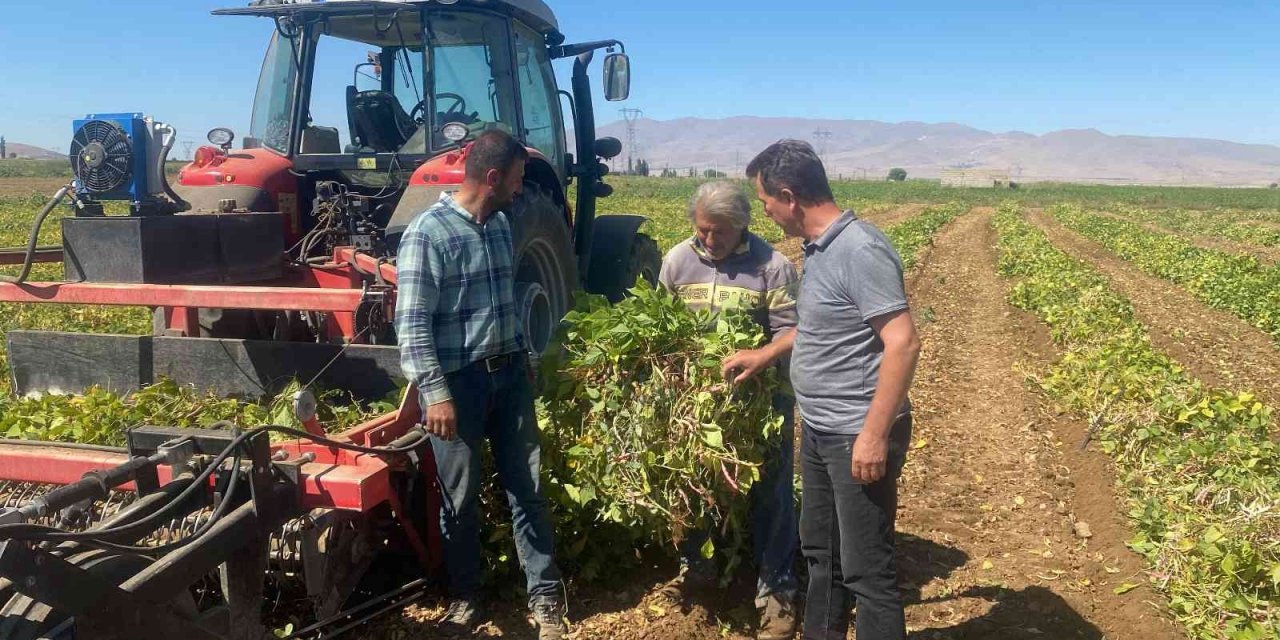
{"x": 546, "y": 269}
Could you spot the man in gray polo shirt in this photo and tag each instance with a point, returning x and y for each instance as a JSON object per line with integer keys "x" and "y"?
{"x": 853, "y": 359}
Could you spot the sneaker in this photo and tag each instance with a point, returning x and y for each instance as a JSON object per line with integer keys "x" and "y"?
{"x": 548, "y": 616}
{"x": 777, "y": 619}
{"x": 693, "y": 577}
{"x": 462, "y": 616}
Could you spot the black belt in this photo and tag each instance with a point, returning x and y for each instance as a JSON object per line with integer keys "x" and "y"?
{"x": 496, "y": 363}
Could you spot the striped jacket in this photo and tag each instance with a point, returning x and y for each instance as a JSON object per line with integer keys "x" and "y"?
{"x": 456, "y": 296}
{"x": 754, "y": 278}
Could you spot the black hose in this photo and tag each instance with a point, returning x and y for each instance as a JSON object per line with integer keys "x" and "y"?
{"x": 62, "y": 445}
{"x": 34, "y": 237}
{"x": 178, "y": 202}
{"x": 218, "y": 512}
{"x": 41, "y": 532}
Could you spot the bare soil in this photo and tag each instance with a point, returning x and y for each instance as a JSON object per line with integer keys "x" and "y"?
{"x": 1215, "y": 346}
{"x": 995, "y": 483}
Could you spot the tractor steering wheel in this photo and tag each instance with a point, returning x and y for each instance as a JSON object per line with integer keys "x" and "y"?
{"x": 419, "y": 112}
{"x": 459, "y": 105}
{"x": 458, "y": 108}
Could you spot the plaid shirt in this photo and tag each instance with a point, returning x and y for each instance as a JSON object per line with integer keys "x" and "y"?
{"x": 456, "y": 299}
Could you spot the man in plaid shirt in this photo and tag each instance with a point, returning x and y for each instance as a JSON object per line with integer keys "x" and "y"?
{"x": 456, "y": 320}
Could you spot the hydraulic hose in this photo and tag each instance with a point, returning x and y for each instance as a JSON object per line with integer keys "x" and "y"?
{"x": 35, "y": 236}
{"x": 166, "y": 146}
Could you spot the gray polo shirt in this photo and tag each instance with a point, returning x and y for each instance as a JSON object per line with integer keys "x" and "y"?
{"x": 851, "y": 275}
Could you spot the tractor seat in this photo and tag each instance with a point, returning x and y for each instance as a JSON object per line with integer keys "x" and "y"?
{"x": 378, "y": 121}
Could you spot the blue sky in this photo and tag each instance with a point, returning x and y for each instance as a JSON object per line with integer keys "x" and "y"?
{"x": 1173, "y": 68}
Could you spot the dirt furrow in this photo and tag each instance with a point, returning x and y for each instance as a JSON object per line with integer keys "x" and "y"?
{"x": 885, "y": 218}
{"x": 1269, "y": 255}
{"x": 991, "y": 494}
{"x": 1215, "y": 346}
{"x": 793, "y": 248}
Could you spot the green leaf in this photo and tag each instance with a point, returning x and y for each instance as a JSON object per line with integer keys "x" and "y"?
{"x": 1125, "y": 588}
{"x": 708, "y": 549}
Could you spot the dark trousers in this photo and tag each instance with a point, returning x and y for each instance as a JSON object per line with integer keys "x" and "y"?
{"x": 497, "y": 407}
{"x": 846, "y": 536}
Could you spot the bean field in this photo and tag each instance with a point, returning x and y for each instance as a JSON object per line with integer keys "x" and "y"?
{"x": 1095, "y": 451}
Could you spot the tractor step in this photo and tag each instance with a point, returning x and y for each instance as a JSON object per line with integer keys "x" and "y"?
{"x": 68, "y": 363}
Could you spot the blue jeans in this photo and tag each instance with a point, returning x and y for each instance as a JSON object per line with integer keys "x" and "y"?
{"x": 774, "y": 535}
{"x": 498, "y": 407}
{"x": 846, "y": 535}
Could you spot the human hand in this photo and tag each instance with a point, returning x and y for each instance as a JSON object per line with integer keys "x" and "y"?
{"x": 870, "y": 458}
{"x": 744, "y": 364}
{"x": 442, "y": 420}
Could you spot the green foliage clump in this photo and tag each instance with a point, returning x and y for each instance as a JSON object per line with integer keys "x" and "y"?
{"x": 103, "y": 417}
{"x": 642, "y": 430}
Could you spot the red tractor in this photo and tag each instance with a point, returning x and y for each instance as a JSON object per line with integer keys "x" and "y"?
{"x": 274, "y": 262}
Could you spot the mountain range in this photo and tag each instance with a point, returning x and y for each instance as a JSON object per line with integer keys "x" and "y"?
{"x": 867, "y": 148}
{"x": 28, "y": 151}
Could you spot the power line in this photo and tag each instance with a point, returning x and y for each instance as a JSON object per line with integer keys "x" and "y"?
{"x": 823, "y": 137}
{"x": 631, "y": 116}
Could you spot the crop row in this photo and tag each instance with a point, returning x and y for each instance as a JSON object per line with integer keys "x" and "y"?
{"x": 911, "y": 236}
{"x": 1201, "y": 474}
{"x": 1241, "y": 226}
{"x": 1240, "y": 284}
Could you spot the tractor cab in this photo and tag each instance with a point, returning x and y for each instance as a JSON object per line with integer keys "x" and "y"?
{"x": 376, "y": 98}
{"x": 402, "y": 84}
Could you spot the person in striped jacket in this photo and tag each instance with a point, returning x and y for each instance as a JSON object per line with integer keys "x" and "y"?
{"x": 725, "y": 266}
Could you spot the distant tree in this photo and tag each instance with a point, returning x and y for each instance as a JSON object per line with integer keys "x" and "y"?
{"x": 642, "y": 167}
{"x": 668, "y": 172}
{"x": 897, "y": 174}
{"x": 712, "y": 173}
{"x": 13, "y": 156}
{"x": 693, "y": 173}
{"x": 1275, "y": 184}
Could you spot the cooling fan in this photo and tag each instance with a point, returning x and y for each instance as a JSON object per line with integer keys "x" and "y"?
{"x": 102, "y": 157}
{"x": 121, "y": 156}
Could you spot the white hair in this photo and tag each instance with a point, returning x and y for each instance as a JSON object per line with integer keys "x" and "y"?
{"x": 723, "y": 200}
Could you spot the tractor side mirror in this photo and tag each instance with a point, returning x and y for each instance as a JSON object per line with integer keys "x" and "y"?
{"x": 367, "y": 77}
{"x": 617, "y": 77}
{"x": 607, "y": 147}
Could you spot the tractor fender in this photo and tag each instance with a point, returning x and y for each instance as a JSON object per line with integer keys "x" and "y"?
{"x": 444, "y": 173}
{"x": 619, "y": 255}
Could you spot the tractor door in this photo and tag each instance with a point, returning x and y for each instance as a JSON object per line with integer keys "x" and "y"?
{"x": 543, "y": 125}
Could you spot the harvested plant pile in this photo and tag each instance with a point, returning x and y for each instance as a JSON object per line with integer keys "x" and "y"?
{"x": 641, "y": 429}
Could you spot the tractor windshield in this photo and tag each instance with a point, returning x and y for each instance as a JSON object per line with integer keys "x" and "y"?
{"x": 391, "y": 82}
{"x": 471, "y": 79}
{"x": 273, "y": 104}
